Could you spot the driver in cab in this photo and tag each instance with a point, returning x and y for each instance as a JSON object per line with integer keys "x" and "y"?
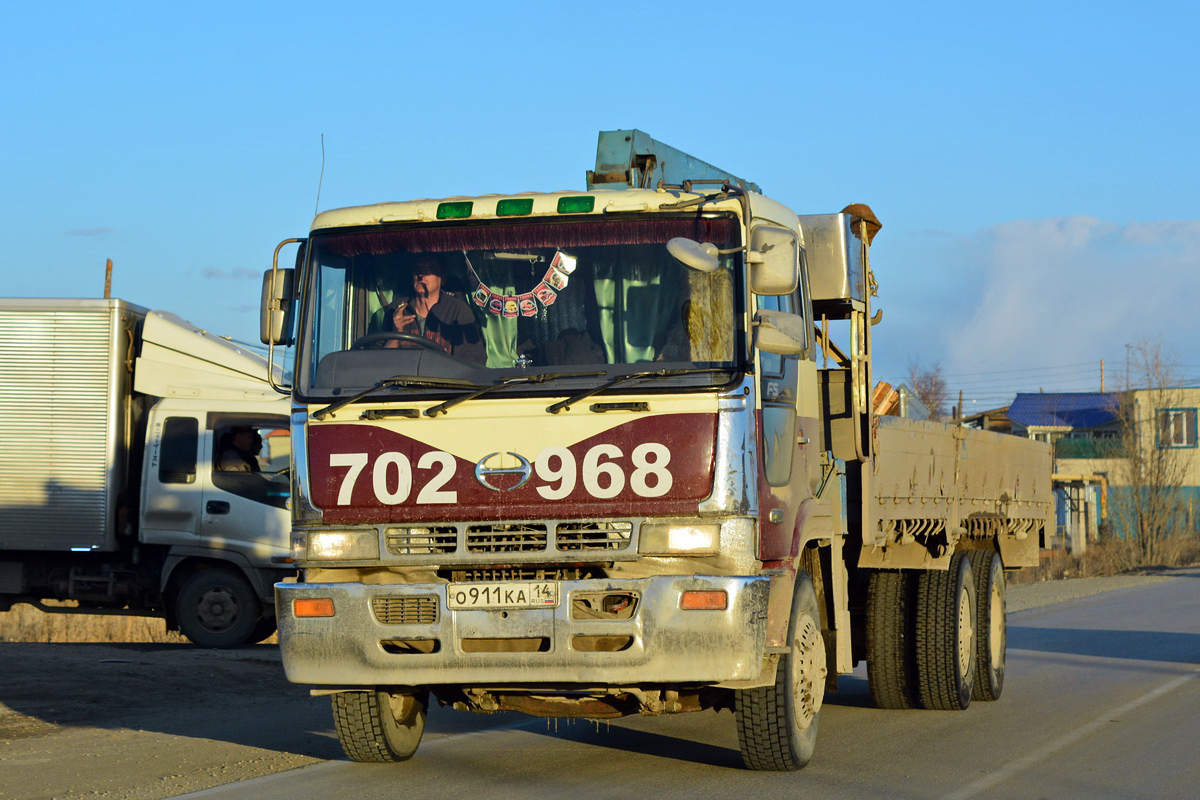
{"x": 435, "y": 313}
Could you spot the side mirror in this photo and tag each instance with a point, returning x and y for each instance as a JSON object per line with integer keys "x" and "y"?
{"x": 773, "y": 260}
{"x": 278, "y": 299}
{"x": 698, "y": 256}
{"x": 780, "y": 332}
{"x": 275, "y": 321}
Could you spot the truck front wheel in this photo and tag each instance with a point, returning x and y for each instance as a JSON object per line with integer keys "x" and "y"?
{"x": 217, "y": 608}
{"x": 379, "y": 727}
{"x": 777, "y": 725}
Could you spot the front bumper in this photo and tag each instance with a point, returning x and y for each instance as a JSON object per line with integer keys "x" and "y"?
{"x": 663, "y": 643}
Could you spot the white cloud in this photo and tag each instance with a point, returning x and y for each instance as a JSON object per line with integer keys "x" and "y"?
{"x": 1075, "y": 289}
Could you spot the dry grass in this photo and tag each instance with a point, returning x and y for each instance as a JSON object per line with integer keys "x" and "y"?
{"x": 24, "y": 623}
{"x": 1110, "y": 556}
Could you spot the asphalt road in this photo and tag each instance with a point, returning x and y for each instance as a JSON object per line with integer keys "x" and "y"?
{"x": 1102, "y": 700}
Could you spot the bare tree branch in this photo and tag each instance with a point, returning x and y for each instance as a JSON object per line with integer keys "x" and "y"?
{"x": 1149, "y": 506}
{"x": 929, "y": 386}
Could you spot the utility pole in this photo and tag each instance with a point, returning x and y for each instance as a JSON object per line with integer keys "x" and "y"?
{"x": 108, "y": 279}
{"x": 1102, "y": 376}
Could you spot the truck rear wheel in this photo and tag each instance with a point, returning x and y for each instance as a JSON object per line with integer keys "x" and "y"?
{"x": 379, "y": 727}
{"x": 891, "y": 651}
{"x": 946, "y": 636}
{"x": 777, "y": 725}
{"x": 217, "y": 608}
{"x": 991, "y": 624}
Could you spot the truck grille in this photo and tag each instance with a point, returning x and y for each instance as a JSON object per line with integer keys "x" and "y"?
{"x": 529, "y": 573}
{"x": 506, "y": 538}
{"x": 593, "y": 535}
{"x": 531, "y": 539}
{"x": 418, "y": 610}
{"x": 421, "y": 541}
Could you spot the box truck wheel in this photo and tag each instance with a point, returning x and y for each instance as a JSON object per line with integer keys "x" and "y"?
{"x": 217, "y": 608}
{"x": 263, "y": 629}
{"x": 990, "y": 624}
{"x": 379, "y": 726}
{"x": 946, "y": 636}
{"x": 891, "y": 653}
{"x": 777, "y": 725}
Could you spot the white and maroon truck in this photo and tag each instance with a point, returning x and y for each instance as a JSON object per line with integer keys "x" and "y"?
{"x": 622, "y": 458}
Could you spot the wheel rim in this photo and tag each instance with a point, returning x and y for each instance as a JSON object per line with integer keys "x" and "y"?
{"x": 808, "y": 678}
{"x": 218, "y": 609}
{"x": 996, "y": 626}
{"x": 966, "y": 632}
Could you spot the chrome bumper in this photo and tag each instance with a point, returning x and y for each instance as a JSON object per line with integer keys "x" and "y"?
{"x": 663, "y": 643}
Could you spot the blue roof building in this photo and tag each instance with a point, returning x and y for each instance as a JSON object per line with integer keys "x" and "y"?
{"x": 1049, "y": 415}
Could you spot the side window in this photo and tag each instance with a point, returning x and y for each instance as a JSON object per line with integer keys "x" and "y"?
{"x": 1176, "y": 427}
{"x": 779, "y": 409}
{"x": 177, "y": 451}
{"x": 772, "y": 363}
{"x": 251, "y": 458}
{"x": 804, "y": 307}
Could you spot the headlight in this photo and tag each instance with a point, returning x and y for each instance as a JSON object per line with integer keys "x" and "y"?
{"x": 680, "y": 538}
{"x": 343, "y": 545}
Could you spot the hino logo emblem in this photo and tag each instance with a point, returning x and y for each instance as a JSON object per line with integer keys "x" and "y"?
{"x": 483, "y": 472}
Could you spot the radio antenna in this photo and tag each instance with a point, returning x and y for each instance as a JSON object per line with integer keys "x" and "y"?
{"x": 321, "y": 180}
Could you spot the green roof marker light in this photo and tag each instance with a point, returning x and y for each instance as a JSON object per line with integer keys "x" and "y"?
{"x": 582, "y": 204}
{"x": 514, "y": 207}
{"x": 457, "y": 210}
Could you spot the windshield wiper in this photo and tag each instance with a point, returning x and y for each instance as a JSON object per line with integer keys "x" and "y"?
{"x": 631, "y": 376}
{"x": 440, "y": 408}
{"x": 431, "y": 383}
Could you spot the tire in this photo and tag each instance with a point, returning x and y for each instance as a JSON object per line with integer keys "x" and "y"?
{"x": 991, "y": 624}
{"x": 263, "y": 629}
{"x": 777, "y": 725}
{"x": 378, "y": 727}
{"x": 945, "y": 638}
{"x": 217, "y": 608}
{"x": 891, "y": 646}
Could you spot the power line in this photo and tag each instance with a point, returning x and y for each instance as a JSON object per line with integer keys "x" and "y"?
{"x": 1022, "y": 370}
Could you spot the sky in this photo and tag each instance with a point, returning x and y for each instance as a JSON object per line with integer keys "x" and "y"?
{"x": 1035, "y": 165}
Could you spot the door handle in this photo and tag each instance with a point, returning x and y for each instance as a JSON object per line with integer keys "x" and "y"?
{"x": 216, "y": 507}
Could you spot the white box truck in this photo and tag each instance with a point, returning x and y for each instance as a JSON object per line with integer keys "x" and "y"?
{"x": 112, "y": 423}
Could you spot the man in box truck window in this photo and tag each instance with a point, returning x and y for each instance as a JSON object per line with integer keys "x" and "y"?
{"x": 239, "y": 450}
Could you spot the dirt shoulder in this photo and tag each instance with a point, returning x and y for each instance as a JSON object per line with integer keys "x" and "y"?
{"x": 148, "y": 721}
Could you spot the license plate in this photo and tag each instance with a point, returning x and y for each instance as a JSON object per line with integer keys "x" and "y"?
{"x": 517, "y": 594}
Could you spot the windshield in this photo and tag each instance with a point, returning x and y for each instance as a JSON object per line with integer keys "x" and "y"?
{"x": 481, "y": 302}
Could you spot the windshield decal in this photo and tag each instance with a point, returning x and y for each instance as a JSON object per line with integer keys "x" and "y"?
{"x": 557, "y": 276}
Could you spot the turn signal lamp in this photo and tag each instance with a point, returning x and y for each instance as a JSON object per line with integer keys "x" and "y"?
{"x": 312, "y": 607}
{"x": 704, "y": 600}
{"x": 576, "y": 205}
{"x": 455, "y": 210}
